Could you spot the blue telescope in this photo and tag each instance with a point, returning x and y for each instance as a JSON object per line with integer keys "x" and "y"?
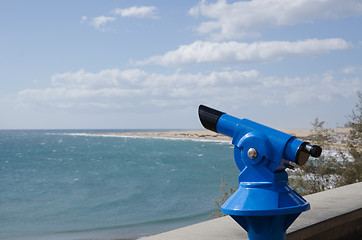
{"x": 264, "y": 204}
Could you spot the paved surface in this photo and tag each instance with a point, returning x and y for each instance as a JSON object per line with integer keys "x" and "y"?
{"x": 337, "y": 212}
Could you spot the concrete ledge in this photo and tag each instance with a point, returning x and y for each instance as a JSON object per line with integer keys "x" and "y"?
{"x": 335, "y": 214}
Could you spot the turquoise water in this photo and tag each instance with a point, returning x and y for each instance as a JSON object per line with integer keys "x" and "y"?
{"x": 70, "y": 185}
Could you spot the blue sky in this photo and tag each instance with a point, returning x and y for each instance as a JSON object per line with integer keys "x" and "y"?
{"x": 149, "y": 64}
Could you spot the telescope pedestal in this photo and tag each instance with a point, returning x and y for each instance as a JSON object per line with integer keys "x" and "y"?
{"x": 266, "y": 227}
{"x": 265, "y": 209}
{"x": 264, "y": 205}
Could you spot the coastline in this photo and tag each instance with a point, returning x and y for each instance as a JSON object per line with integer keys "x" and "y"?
{"x": 338, "y": 140}
{"x": 194, "y": 134}
{"x": 176, "y": 134}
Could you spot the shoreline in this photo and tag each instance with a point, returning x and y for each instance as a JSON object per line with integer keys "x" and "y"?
{"x": 201, "y": 134}
{"x": 177, "y": 134}
{"x": 338, "y": 135}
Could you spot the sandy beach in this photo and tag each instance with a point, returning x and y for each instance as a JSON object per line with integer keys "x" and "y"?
{"x": 206, "y": 134}
{"x": 338, "y": 135}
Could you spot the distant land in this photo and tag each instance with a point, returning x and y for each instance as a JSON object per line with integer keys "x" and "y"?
{"x": 338, "y": 135}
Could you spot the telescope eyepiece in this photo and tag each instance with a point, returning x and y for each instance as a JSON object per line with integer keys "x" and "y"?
{"x": 313, "y": 150}
{"x": 209, "y": 117}
{"x": 305, "y": 150}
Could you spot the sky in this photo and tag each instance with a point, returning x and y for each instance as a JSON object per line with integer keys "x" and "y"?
{"x": 132, "y": 64}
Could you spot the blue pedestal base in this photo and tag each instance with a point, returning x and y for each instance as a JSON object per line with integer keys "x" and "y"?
{"x": 265, "y": 209}
{"x": 266, "y": 227}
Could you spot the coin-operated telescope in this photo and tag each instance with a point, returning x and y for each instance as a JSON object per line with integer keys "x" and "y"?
{"x": 264, "y": 204}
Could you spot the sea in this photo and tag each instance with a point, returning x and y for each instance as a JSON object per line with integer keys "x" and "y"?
{"x": 84, "y": 184}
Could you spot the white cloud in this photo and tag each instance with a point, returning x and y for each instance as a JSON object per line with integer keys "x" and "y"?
{"x": 247, "y": 18}
{"x": 349, "y": 70}
{"x": 352, "y": 70}
{"x": 113, "y": 88}
{"x": 238, "y": 52}
{"x": 138, "y": 12}
{"x": 312, "y": 89}
{"x": 136, "y": 89}
{"x": 83, "y": 19}
{"x": 100, "y": 22}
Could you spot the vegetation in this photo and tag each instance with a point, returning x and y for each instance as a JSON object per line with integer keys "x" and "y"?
{"x": 352, "y": 170}
{"x": 317, "y": 174}
{"x": 333, "y": 169}
{"x": 226, "y": 193}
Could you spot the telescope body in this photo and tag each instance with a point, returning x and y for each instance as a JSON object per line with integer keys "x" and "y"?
{"x": 278, "y": 147}
{"x": 264, "y": 204}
